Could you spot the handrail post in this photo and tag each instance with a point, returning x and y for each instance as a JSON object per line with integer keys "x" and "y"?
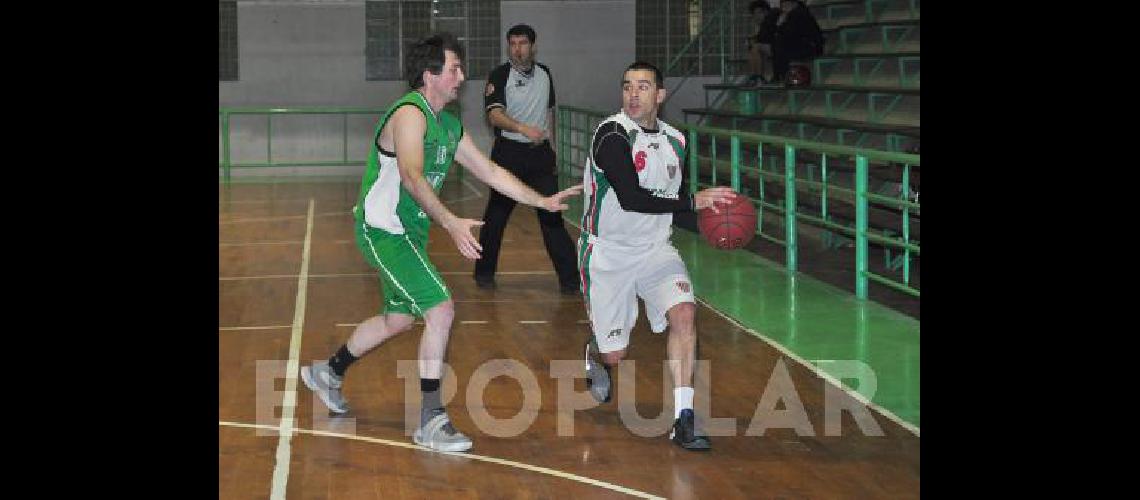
{"x": 861, "y": 226}
{"x": 735, "y": 159}
{"x": 905, "y": 195}
{"x": 563, "y": 164}
{"x": 723, "y": 73}
{"x": 269, "y": 138}
{"x": 823, "y": 192}
{"x": 226, "y": 146}
{"x": 693, "y": 171}
{"x": 790, "y": 205}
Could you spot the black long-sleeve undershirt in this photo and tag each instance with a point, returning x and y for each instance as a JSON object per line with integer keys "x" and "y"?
{"x": 613, "y": 155}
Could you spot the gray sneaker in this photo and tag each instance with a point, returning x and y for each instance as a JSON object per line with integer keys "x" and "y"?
{"x": 597, "y": 377}
{"x": 439, "y": 434}
{"x": 320, "y": 379}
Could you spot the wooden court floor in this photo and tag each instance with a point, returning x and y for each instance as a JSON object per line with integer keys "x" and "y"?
{"x": 292, "y": 285}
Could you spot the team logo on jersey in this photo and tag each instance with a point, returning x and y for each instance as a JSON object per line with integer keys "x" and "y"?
{"x": 489, "y": 90}
{"x": 672, "y": 171}
{"x": 613, "y": 333}
{"x": 520, "y": 83}
{"x": 434, "y": 178}
{"x": 639, "y": 161}
{"x": 441, "y": 154}
{"x": 654, "y": 145}
{"x": 684, "y": 286}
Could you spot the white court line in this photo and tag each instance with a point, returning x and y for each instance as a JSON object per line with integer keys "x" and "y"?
{"x": 345, "y": 325}
{"x": 289, "y": 402}
{"x": 527, "y": 322}
{"x": 818, "y": 372}
{"x": 810, "y": 366}
{"x": 583, "y": 322}
{"x": 270, "y": 276}
{"x": 298, "y": 200}
{"x": 473, "y": 322}
{"x": 258, "y": 243}
{"x": 472, "y": 188}
{"x": 465, "y": 198}
{"x": 481, "y": 458}
{"x": 261, "y": 219}
{"x": 234, "y": 328}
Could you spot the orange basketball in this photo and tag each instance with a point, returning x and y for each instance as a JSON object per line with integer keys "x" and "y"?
{"x": 733, "y": 227}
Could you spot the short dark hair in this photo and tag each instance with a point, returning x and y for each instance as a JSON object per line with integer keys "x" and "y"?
{"x": 759, "y": 4}
{"x": 522, "y": 29}
{"x": 428, "y": 55}
{"x": 658, "y": 78}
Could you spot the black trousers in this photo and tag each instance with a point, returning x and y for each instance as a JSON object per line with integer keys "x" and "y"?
{"x": 535, "y": 166}
{"x": 783, "y": 53}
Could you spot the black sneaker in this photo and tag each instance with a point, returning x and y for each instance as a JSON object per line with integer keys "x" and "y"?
{"x": 568, "y": 289}
{"x": 485, "y": 283}
{"x": 685, "y": 433}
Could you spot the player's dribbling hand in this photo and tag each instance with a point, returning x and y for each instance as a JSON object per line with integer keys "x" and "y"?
{"x": 554, "y": 203}
{"x": 711, "y": 196}
{"x": 460, "y": 231}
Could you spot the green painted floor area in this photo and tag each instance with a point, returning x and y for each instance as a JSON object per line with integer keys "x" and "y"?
{"x": 816, "y": 321}
{"x": 812, "y": 319}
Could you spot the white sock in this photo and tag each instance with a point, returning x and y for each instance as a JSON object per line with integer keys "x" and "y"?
{"x": 682, "y": 399}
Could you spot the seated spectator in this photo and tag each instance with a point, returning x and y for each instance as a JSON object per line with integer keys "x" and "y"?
{"x": 797, "y": 38}
{"x": 760, "y": 41}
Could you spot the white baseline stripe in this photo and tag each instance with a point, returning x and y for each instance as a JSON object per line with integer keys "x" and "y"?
{"x": 481, "y": 458}
{"x": 269, "y": 276}
{"x": 810, "y": 366}
{"x": 258, "y": 243}
{"x": 473, "y": 322}
{"x": 289, "y": 404}
{"x": 232, "y": 328}
{"x": 538, "y": 322}
{"x": 298, "y": 200}
{"x": 261, "y": 219}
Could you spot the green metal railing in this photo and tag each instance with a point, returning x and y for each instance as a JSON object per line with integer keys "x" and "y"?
{"x": 719, "y": 18}
{"x": 225, "y": 114}
{"x": 576, "y": 126}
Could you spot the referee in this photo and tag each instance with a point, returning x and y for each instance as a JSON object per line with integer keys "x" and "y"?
{"x": 519, "y": 99}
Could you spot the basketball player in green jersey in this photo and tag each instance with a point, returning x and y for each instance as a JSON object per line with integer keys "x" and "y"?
{"x": 413, "y": 147}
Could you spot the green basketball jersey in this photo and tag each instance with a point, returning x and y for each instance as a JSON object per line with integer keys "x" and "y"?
{"x": 383, "y": 202}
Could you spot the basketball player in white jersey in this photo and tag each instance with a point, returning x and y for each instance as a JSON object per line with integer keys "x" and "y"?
{"x": 632, "y": 187}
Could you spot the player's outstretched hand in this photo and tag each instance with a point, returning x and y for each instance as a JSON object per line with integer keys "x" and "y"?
{"x": 466, "y": 242}
{"x": 555, "y": 202}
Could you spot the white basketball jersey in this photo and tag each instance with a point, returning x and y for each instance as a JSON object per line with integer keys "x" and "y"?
{"x": 657, "y": 159}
